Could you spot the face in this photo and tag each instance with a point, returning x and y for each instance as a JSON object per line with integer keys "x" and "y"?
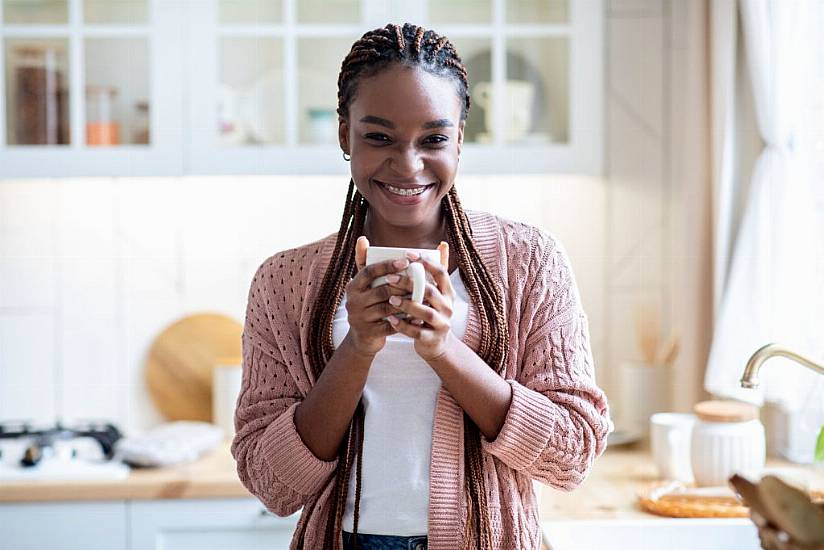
{"x": 404, "y": 132}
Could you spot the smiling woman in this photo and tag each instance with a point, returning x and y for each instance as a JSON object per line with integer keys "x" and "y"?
{"x": 424, "y": 431}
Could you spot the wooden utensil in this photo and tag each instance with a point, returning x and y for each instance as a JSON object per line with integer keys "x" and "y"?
{"x": 178, "y": 368}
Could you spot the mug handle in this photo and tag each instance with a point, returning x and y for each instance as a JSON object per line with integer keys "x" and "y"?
{"x": 417, "y": 273}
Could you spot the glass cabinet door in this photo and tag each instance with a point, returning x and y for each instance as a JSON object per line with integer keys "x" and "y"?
{"x": 88, "y": 86}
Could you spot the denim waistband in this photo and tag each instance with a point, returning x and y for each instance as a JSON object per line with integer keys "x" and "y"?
{"x": 385, "y": 542}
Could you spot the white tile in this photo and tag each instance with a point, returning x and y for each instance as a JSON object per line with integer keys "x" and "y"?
{"x": 149, "y": 216}
{"x": 88, "y": 289}
{"x": 27, "y": 214}
{"x": 635, "y": 62}
{"x": 27, "y": 243}
{"x": 91, "y": 371}
{"x": 152, "y": 300}
{"x": 216, "y": 285}
{"x": 27, "y": 283}
{"x": 27, "y": 367}
{"x": 86, "y": 218}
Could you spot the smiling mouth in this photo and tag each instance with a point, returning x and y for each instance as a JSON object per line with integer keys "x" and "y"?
{"x": 404, "y": 191}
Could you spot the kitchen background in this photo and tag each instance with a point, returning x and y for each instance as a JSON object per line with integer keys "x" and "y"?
{"x": 185, "y": 141}
{"x": 94, "y": 268}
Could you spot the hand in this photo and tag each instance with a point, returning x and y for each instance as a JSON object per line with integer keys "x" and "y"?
{"x": 366, "y": 306}
{"x": 429, "y": 323}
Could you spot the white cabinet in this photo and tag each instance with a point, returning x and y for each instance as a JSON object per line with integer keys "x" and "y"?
{"x": 206, "y": 524}
{"x": 64, "y": 525}
{"x": 179, "y": 524}
{"x": 250, "y": 87}
{"x": 90, "y": 87}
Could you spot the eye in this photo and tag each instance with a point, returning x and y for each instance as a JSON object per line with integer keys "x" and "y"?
{"x": 383, "y": 138}
{"x": 436, "y": 139}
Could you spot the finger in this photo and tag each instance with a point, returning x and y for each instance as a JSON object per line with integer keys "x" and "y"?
{"x": 438, "y": 301}
{"x": 360, "y": 252}
{"x": 406, "y": 328}
{"x": 380, "y": 294}
{"x": 371, "y": 272}
{"x": 443, "y": 248}
{"x": 441, "y": 277}
{"x": 425, "y": 313}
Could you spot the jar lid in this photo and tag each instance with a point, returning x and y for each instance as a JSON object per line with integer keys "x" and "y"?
{"x": 725, "y": 411}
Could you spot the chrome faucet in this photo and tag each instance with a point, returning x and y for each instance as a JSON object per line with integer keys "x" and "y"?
{"x": 750, "y": 377}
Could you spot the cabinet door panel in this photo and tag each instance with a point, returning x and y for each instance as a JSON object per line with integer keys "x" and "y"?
{"x": 64, "y": 525}
{"x": 208, "y": 524}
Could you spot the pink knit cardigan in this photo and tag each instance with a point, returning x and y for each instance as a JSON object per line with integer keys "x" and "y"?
{"x": 557, "y": 422}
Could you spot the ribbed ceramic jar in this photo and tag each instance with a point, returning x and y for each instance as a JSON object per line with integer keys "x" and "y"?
{"x": 727, "y": 438}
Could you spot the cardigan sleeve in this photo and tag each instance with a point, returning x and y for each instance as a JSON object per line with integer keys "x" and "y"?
{"x": 558, "y": 419}
{"x": 273, "y": 462}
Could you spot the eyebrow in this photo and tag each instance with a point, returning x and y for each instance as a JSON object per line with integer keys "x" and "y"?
{"x": 440, "y": 123}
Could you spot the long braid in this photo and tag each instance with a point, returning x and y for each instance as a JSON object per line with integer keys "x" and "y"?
{"x": 373, "y": 52}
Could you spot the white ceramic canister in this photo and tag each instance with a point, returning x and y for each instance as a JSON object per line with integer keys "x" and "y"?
{"x": 226, "y": 378}
{"x": 727, "y": 438}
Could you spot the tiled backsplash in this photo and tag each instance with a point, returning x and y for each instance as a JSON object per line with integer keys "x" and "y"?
{"x": 91, "y": 270}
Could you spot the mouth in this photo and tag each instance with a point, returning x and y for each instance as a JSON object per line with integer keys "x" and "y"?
{"x": 405, "y": 194}
{"x": 404, "y": 190}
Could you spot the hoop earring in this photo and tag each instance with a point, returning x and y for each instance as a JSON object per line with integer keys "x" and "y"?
{"x": 346, "y": 158}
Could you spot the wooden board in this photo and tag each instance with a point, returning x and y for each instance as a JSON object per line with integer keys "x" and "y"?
{"x": 178, "y": 368}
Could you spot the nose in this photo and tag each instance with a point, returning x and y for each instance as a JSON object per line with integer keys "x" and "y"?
{"x": 406, "y": 160}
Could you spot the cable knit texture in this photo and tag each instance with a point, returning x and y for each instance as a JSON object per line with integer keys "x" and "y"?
{"x": 557, "y": 422}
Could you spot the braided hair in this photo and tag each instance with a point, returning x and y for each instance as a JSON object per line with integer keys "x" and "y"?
{"x": 377, "y": 49}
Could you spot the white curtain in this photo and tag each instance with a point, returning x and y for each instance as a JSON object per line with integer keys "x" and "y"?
{"x": 764, "y": 268}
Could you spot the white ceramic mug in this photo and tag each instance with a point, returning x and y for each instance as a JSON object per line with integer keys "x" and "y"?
{"x": 670, "y": 435}
{"x": 415, "y": 270}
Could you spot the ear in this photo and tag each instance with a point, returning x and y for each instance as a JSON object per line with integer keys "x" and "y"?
{"x": 343, "y": 134}
{"x": 461, "y": 127}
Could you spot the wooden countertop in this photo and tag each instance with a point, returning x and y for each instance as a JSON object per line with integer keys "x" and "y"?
{"x": 608, "y": 493}
{"x": 211, "y": 476}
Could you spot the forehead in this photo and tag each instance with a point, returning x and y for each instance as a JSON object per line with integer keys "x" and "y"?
{"x": 406, "y": 95}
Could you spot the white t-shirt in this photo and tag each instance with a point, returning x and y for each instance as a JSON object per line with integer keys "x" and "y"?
{"x": 399, "y": 401}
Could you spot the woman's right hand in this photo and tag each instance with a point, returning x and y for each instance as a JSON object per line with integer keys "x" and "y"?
{"x": 368, "y": 306}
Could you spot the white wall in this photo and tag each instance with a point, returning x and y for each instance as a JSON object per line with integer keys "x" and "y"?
{"x": 91, "y": 270}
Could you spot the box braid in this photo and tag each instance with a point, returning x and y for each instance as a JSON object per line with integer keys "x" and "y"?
{"x": 377, "y": 49}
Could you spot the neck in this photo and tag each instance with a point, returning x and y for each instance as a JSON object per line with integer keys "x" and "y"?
{"x": 425, "y": 235}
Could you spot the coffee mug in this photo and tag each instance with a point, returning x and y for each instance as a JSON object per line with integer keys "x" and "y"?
{"x": 415, "y": 270}
{"x": 670, "y": 440}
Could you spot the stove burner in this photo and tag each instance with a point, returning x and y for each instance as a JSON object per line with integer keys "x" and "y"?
{"x": 104, "y": 433}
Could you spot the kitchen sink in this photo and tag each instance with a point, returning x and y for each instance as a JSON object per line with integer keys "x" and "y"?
{"x": 652, "y": 534}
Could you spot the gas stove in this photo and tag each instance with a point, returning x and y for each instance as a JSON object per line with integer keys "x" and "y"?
{"x": 80, "y": 451}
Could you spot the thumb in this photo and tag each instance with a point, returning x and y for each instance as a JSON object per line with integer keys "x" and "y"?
{"x": 443, "y": 248}
{"x": 360, "y": 252}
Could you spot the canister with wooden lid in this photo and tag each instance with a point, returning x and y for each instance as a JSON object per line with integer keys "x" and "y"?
{"x": 727, "y": 438}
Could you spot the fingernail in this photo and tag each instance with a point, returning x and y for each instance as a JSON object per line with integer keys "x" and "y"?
{"x": 401, "y": 263}
{"x": 395, "y": 301}
{"x": 392, "y": 320}
{"x": 412, "y": 255}
{"x": 393, "y": 278}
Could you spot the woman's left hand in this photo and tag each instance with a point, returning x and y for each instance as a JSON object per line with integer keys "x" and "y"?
{"x": 430, "y": 324}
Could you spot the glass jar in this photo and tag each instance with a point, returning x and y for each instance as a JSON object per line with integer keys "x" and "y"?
{"x": 39, "y": 104}
{"x": 140, "y": 134}
{"x": 101, "y": 128}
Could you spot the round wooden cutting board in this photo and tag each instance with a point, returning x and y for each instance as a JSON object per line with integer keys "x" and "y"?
{"x": 179, "y": 365}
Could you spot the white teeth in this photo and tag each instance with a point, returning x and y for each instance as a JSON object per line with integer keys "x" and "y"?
{"x": 405, "y": 192}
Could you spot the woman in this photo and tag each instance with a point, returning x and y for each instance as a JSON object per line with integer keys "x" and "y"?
{"x": 426, "y": 430}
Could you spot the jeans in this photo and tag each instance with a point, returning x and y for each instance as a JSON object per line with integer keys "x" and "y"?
{"x": 385, "y": 542}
